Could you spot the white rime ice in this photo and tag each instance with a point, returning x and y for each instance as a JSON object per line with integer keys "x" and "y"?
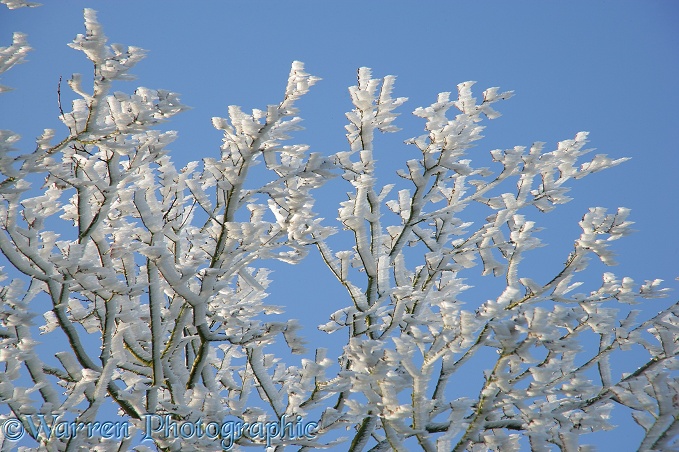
{"x": 154, "y": 275}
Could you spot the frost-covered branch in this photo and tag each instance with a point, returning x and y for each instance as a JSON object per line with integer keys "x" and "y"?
{"x": 413, "y": 312}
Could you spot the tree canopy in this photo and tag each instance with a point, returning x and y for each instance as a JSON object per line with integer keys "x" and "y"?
{"x": 155, "y": 279}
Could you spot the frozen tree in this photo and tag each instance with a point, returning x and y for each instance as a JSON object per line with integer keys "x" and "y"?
{"x": 155, "y": 277}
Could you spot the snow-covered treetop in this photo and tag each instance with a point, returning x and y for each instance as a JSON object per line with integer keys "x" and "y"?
{"x": 155, "y": 276}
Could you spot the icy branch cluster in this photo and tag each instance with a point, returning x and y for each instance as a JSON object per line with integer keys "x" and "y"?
{"x": 158, "y": 286}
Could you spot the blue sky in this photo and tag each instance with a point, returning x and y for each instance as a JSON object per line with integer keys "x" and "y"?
{"x": 607, "y": 67}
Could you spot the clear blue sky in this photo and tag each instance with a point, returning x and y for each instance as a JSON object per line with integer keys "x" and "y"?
{"x": 608, "y": 67}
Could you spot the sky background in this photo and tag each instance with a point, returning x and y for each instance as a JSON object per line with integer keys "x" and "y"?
{"x": 607, "y": 67}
